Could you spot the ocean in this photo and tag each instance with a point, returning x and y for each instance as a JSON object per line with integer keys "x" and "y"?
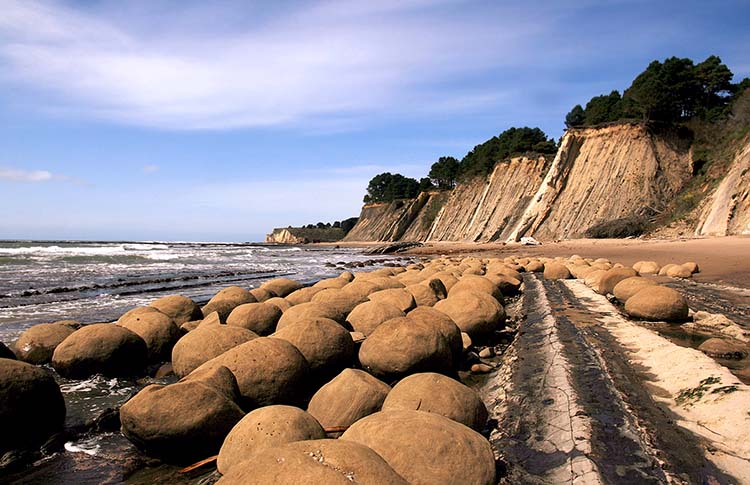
{"x": 45, "y": 281}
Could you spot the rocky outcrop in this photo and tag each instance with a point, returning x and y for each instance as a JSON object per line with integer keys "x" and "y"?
{"x": 598, "y": 175}
{"x": 728, "y": 209}
{"x": 284, "y": 236}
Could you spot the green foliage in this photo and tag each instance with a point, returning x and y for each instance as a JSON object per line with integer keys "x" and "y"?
{"x": 576, "y": 117}
{"x": 387, "y": 187}
{"x": 444, "y": 172}
{"x": 425, "y": 184}
{"x": 513, "y": 141}
{"x": 672, "y": 91}
{"x": 348, "y": 224}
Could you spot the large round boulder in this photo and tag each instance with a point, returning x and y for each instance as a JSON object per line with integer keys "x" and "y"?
{"x": 679, "y": 271}
{"x": 657, "y": 303}
{"x": 647, "y": 267}
{"x": 403, "y": 346}
{"x": 205, "y": 343}
{"x": 475, "y": 313}
{"x": 508, "y": 285}
{"x": 436, "y": 393}
{"x": 262, "y": 294}
{"x": 347, "y": 398}
{"x": 331, "y": 283}
{"x": 556, "y": 271}
{"x": 398, "y": 297}
{"x": 31, "y": 405}
{"x": 630, "y": 286}
{"x": 268, "y": 371}
{"x": 303, "y": 295}
{"x": 476, "y": 284}
{"x": 156, "y": 329}
{"x": 368, "y": 315}
{"x": 309, "y": 311}
{"x": 263, "y": 428}
{"x": 613, "y": 276}
{"x": 425, "y": 294}
{"x": 339, "y": 300}
{"x": 327, "y": 346}
{"x": 37, "y": 344}
{"x": 314, "y": 462}
{"x": 445, "y": 325}
{"x": 281, "y": 286}
{"x": 280, "y": 303}
{"x": 227, "y": 300}
{"x": 179, "y": 308}
{"x": 185, "y": 421}
{"x": 101, "y": 348}
{"x": 260, "y": 318}
{"x": 426, "y": 448}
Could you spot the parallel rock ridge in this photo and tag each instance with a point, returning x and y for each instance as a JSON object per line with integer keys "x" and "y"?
{"x": 598, "y": 175}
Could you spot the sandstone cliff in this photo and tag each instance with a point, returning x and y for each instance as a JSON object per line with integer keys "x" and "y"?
{"x": 727, "y": 211}
{"x": 598, "y": 175}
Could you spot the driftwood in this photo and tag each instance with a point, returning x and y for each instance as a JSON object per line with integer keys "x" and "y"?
{"x": 206, "y": 461}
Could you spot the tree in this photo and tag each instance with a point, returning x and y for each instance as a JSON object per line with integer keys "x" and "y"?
{"x": 387, "y": 187}
{"x": 665, "y": 91}
{"x": 513, "y": 141}
{"x": 425, "y": 184}
{"x": 575, "y": 118}
{"x": 443, "y": 173}
{"x": 337, "y": 224}
{"x": 320, "y": 225}
{"x": 348, "y": 224}
{"x": 603, "y": 109}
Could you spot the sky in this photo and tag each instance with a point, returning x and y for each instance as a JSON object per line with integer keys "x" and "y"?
{"x": 218, "y": 121}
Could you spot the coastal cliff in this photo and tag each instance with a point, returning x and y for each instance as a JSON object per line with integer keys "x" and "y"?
{"x": 598, "y": 175}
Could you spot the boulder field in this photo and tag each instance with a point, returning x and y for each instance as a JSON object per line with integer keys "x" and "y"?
{"x": 268, "y": 376}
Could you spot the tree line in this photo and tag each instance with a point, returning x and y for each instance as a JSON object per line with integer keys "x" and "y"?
{"x": 671, "y": 91}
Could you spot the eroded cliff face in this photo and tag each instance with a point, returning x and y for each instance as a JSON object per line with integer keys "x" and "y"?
{"x": 728, "y": 209}
{"x": 283, "y": 236}
{"x": 598, "y": 175}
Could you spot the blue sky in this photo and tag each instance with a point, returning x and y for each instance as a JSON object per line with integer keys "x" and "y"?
{"x": 180, "y": 120}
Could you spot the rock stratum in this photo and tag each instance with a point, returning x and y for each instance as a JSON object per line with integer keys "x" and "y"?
{"x": 599, "y": 175}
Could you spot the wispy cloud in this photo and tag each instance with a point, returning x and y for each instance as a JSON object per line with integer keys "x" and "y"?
{"x": 37, "y": 176}
{"x": 328, "y": 60}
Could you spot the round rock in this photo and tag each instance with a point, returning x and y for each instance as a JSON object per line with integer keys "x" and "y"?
{"x": 180, "y": 309}
{"x": 156, "y": 329}
{"x": 205, "y": 343}
{"x": 477, "y": 314}
{"x": 657, "y": 303}
{"x": 347, "y": 398}
{"x": 37, "y": 344}
{"x": 368, "y": 315}
{"x": 260, "y": 318}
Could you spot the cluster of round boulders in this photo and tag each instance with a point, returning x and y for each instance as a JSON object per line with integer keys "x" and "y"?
{"x": 180, "y": 309}
{"x": 266, "y": 427}
{"x": 281, "y": 287}
{"x": 476, "y": 313}
{"x": 31, "y": 405}
{"x": 37, "y": 344}
{"x": 367, "y": 316}
{"x": 185, "y": 421}
{"x": 426, "y": 448}
{"x": 227, "y": 300}
{"x": 314, "y": 462}
{"x": 100, "y": 348}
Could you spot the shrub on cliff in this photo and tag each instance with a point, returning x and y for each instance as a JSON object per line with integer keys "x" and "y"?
{"x": 387, "y": 187}
{"x": 618, "y": 228}
{"x": 443, "y": 173}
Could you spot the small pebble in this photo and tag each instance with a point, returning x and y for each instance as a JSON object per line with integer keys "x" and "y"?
{"x": 481, "y": 368}
{"x": 487, "y": 353}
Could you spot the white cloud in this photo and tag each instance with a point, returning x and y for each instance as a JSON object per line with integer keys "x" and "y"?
{"x": 319, "y": 62}
{"x": 150, "y": 168}
{"x": 16, "y": 175}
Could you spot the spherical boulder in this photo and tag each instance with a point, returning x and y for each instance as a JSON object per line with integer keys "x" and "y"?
{"x": 446, "y": 278}
{"x": 679, "y": 272}
{"x": 156, "y": 329}
{"x": 326, "y": 345}
{"x": 303, "y": 295}
{"x": 665, "y": 268}
{"x": 338, "y": 300}
{"x": 181, "y": 422}
{"x": 403, "y": 346}
{"x": 102, "y": 348}
{"x": 262, "y": 294}
{"x": 280, "y": 303}
{"x": 204, "y": 343}
{"x": 227, "y": 300}
{"x": 314, "y": 462}
{"x": 477, "y": 314}
{"x": 725, "y": 348}
{"x": 361, "y": 289}
{"x": 445, "y": 325}
{"x": 331, "y": 283}
{"x": 31, "y": 405}
{"x": 263, "y": 428}
{"x": 613, "y": 276}
{"x": 630, "y": 286}
{"x": 436, "y": 393}
{"x": 426, "y": 448}
{"x": 534, "y": 266}
{"x": 368, "y": 315}
{"x": 311, "y": 310}
{"x": 691, "y": 266}
{"x": 476, "y": 284}
{"x": 268, "y": 371}
{"x": 36, "y": 344}
{"x": 180, "y": 309}
{"x": 507, "y": 285}
{"x": 347, "y": 398}
{"x": 647, "y": 267}
{"x": 592, "y": 278}
{"x": 657, "y": 303}
{"x": 556, "y": 271}
{"x": 423, "y": 294}
{"x": 281, "y": 286}
{"x": 260, "y": 318}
